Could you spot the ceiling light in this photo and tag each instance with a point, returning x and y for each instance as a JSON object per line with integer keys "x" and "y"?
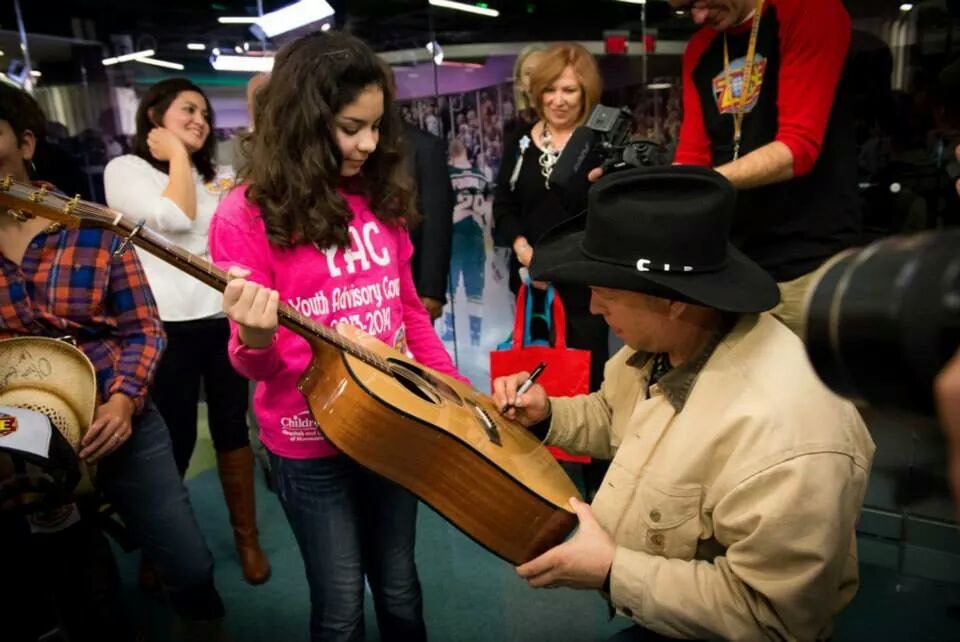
{"x": 463, "y": 6}
{"x": 146, "y": 53}
{"x": 633, "y": 1}
{"x": 35, "y": 73}
{"x": 196, "y": 46}
{"x": 242, "y": 63}
{"x": 161, "y": 63}
{"x": 906, "y": 7}
{"x": 656, "y": 86}
{"x": 239, "y": 49}
{"x": 326, "y": 26}
{"x": 294, "y": 16}
{"x": 237, "y": 20}
{"x": 215, "y": 51}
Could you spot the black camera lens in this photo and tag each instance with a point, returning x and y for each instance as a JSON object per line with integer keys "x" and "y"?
{"x": 882, "y": 321}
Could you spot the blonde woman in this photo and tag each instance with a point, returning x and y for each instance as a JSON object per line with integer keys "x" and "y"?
{"x": 523, "y": 68}
{"x": 565, "y": 86}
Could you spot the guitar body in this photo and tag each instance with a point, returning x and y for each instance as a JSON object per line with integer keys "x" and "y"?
{"x": 432, "y": 435}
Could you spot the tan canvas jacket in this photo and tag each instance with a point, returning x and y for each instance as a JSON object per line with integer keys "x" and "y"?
{"x": 734, "y": 489}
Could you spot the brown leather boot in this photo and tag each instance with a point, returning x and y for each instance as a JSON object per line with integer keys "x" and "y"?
{"x": 236, "y": 477}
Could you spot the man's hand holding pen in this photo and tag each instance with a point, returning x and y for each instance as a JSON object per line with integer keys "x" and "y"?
{"x": 519, "y": 398}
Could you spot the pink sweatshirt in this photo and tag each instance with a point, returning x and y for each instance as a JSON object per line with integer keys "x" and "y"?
{"x": 370, "y": 285}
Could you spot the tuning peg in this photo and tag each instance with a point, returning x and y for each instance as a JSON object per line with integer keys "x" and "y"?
{"x": 19, "y": 215}
{"x": 37, "y": 196}
{"x": 71, "y": 205}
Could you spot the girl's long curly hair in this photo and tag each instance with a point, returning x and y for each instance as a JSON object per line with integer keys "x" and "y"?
{"x": 293, "y": 159}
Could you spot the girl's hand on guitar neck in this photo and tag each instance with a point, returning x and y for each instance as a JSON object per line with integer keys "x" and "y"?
{"x": 530, "y": 408}
{"x": 252, "y": 307}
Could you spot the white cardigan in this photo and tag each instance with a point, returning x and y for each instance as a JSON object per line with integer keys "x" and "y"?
{"x": 134, "y": 187}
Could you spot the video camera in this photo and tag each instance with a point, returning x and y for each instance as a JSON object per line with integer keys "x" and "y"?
{"x": 882, "y": 321}
{"x": 603, "y": 141}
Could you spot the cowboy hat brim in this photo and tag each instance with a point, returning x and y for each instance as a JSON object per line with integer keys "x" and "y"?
{"x": 741, "y": 286}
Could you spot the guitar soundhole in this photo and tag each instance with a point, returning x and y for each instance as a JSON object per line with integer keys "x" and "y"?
{"x": 422, "y": 383}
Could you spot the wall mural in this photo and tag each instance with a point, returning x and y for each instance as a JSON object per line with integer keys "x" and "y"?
{"x": 480, "y": 313}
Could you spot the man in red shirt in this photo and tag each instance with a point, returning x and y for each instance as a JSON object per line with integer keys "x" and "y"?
{"x": 765, "y": 104}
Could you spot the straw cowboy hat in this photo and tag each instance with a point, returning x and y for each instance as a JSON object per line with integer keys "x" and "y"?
{"x": 57, "y": 380}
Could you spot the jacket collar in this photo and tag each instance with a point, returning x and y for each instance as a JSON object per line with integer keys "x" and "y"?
{"x": 677, "y": 384}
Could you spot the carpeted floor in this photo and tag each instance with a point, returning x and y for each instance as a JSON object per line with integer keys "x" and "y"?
{"x": 471, "y": 596}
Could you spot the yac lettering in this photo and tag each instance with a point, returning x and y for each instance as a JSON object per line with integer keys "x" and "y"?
{"x": 362, "y": 251}
{"x": 351, "y": 256}
{"x": 331, "y": 254}
{"x": 383, "y": 259}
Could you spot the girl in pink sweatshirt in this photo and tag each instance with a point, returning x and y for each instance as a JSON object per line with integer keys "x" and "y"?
{"x": 320, "y": 223}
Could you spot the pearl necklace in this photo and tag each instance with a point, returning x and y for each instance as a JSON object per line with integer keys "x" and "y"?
{"x": 549, "y": 156}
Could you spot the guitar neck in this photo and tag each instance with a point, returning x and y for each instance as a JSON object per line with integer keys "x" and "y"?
{"x": 39, "y": 201}
{"x": 216, "y": 278}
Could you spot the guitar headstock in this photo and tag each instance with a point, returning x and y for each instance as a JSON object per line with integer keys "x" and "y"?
{"x": 24, "y": 201}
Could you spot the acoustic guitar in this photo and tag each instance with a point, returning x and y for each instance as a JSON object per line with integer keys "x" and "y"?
{"x": 435, "y": 436}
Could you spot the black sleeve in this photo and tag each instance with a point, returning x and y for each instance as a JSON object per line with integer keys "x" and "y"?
{"x": 507, "y": 213}
{"x": 436, "y": 204}
{"x": 542, "y": 429}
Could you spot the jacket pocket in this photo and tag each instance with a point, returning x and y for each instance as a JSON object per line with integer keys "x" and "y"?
{"x": 669, "y": 517}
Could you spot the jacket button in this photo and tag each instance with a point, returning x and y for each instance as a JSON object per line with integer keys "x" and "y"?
{"x": 657, "y": 539}
{"x": 628, "y": 611}
{"x": 654, "y": 515}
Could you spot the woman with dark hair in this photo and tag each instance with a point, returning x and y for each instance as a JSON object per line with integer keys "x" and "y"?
{"x": 321, "y": 222}
{"x": 170, "y": 182}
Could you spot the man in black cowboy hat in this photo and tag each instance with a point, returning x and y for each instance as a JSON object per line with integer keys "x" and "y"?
{"x": 737, "y": 477}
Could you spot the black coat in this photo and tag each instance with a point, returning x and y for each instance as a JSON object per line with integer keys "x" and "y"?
{"x": 433, "y": 237}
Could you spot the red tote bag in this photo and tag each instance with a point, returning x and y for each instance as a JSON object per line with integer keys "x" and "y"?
{"x": 568, "y": 370}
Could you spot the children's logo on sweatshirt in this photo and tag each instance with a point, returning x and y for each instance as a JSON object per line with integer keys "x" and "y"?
{"x": 400, "y": 341}
{"x": 300, "y": 427}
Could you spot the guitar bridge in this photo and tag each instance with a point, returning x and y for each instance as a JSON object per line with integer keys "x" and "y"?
{"x": 486, "y": 422}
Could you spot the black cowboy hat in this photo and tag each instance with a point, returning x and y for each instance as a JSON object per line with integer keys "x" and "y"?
{"x": 661, "y": 231}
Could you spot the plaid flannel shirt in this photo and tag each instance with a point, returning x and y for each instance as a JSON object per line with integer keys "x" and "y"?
{"x": 69, "y": 283}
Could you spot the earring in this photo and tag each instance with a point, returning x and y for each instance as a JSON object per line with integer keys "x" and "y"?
{"x": 33, "y": 168}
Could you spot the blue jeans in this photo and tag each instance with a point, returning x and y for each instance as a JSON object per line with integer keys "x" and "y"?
{"x": 141, "y": 481}
{"x": 349, "y": 523}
